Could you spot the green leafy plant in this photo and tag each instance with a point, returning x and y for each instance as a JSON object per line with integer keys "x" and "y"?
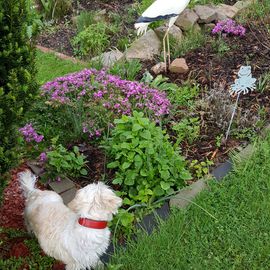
{"x": 147, "y": 167}
{"x": 126, "y": 69}
{"x": 62, "y": 162}
{"x": 179, "y": 95}
{"x": 91, "y": 41}
{"x": 199, "y": 169}
{"x": 188, "y": 128}
{"x": 84, "y": 20}
{"x": 54, "y": 9}
{"x": 18, "y": 85}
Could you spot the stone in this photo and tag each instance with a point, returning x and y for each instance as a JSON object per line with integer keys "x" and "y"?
{"x": 206, "y": 13}
{"x": 174, "y": 32}
{"x": 226, "y": 11}
{"x": 209, "y": 26}
{"x": 179, "y": 65}
{"x": 183, "y": 198}
{"x": 68, "y": 195}
{"x": 242, "y": 5}
{"x": 145, "y": 48}
{"x": 159, "y": 68}
{"x": 187, "y": 19}
{"x": 107, "y": 59}
{"x": 36, "y": 167}
{"x": 61, "y": 186}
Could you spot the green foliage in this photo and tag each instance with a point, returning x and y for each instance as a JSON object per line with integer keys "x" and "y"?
{"x": 179, "y": 95}
{"x": 84, "y": 20}
{"x": 147, "y": 166}
{"x": 220, "y": 46}
{"x": 192, "y": 40}
{"x": 91, "y": 41}
{"x": 126, "y": 70}
{"x": 64, "y": 162}
{"x": 187, "y": 129}
{"x": 18, "y": 86}
{"x": 264, "y": 82}
{"x": 54, "y": 9}
{"x": 199, "y": 169}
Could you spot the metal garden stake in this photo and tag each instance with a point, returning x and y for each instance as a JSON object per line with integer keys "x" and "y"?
{"x": 243, "y": 84}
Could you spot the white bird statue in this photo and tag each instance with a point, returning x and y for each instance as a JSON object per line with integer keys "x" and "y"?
{"x": 161, "y": 10}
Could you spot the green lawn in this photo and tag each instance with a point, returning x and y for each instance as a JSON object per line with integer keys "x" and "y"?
{"x": 239, "y": 238}
{"x": 49, "y": 66}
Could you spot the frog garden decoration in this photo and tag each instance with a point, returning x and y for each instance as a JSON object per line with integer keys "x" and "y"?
{"x": 244, "y": 84}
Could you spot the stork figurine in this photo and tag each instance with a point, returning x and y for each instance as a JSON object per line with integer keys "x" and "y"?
{"x": 161, "y": 10}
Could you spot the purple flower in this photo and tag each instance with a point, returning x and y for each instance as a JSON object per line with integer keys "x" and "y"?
{"x": 30, "y": 134}
{"x": 101, "y": 91}
{"x": 229, "y": 26}
{"x": 43, "y": 157}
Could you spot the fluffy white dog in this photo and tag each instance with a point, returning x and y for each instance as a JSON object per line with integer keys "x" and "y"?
{"x": 78, "y": 234}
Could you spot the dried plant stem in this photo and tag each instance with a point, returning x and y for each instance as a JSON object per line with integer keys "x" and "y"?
{"x": 234, "y": 110}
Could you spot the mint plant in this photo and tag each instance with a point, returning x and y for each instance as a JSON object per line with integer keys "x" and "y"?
{"x": 147, "y": 166}
{"x": 62, "y": 162}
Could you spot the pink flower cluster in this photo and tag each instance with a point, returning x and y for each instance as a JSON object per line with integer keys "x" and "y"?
{"x": 113, "y": 93}
{"x": 100, "y": 91}
{"x": 229, "y": 26}
{"x": 30, "y": 134}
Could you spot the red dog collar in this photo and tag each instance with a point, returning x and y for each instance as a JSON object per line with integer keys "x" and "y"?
{"x": 93, "y": 224}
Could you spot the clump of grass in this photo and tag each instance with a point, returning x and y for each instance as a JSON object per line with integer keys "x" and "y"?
{"x": 191, "y": 41}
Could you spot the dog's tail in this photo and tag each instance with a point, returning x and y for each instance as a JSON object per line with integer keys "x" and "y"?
{"x": 28, "y": 181}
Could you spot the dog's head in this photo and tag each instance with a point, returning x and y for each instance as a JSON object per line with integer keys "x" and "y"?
{"x": 96, "y": 201}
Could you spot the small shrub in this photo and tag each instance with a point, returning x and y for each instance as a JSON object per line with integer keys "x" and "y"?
{"x": 147, "y": 167}
{"x": 91, "y": 41}
{"x": 18, "y": 85}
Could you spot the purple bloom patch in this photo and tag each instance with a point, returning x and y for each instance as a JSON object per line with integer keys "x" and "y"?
{"x": 30, "y": 134}
{"x": 229, "y": 26}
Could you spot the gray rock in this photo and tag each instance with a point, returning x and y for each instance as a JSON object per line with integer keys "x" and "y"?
{"x": 206, "y": 13}
{"x": 187, "y": 19}
{"x": 109, "y": 58}
{"x": 227, "y": 11}
{"x": 68, "y": 195}
{"x": 174, "y": 32}
{"x": 145, "y": 47}
{"x": 183, "y": 198}
{"x": 158, "y": 68}
{"x": 62, "y": 186}
{"x": 242, "y": 5}
{"x": 179, "y": 65}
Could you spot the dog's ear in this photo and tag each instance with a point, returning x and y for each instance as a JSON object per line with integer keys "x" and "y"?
{"x": 108, "y": 199}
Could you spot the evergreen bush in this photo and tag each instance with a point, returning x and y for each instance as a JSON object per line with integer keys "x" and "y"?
{"x": 18, "y": 86}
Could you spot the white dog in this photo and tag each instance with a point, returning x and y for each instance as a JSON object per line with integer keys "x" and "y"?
{"x": 78, "y": 234}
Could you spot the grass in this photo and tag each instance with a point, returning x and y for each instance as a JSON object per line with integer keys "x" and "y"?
{"x": 238, "y": 237}
{"x": 50, "y": 66}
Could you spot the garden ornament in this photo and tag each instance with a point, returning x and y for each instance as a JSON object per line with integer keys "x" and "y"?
{"x": 243, "y": 84}
{"x": 161, "y": 10}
